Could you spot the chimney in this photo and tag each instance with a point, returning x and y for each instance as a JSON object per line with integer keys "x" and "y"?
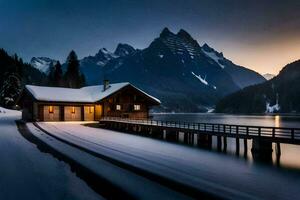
{"x": 105, "y": 84}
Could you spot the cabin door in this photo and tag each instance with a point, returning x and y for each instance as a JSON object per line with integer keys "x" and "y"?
{"x": 89, "y": 113}
{"x": 98, "y": 112}
{"x": 72, "y": 113}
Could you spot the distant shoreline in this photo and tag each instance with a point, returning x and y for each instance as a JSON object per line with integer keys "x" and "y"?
{"x": 200, "y": 113}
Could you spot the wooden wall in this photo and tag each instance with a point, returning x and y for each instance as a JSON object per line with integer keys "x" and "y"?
{"x": 55, "y": 116}
{"x": 69, "y": 116}
{"x": 98, "y": 112}
{"x": 89, "y": 113}
{"x": 126, "y": 98}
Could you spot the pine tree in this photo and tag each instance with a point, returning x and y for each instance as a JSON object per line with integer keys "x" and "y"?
{"x": 10, "y": 91}
{"x": 51, "y": 81}
{"x": 72, "y": 75}
{"x": 82, "y": 80}
{"x": 58, "y": 75}
{"x": 14, "y": 74}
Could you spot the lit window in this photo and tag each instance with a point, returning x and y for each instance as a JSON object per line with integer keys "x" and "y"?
{"x": 118, "y": 107}
{"x": 91, "y": 109}
{"x": 137, "y": 107}
{"x": 50, "y": 109}
{"x": 73, "y": 110}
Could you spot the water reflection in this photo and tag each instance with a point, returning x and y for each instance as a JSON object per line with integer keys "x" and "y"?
{"x": 289, "y": 153}
{"x": 277, "y": 121}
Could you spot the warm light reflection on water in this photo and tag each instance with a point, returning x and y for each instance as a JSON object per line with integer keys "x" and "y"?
{"x": 277, "y": 121}
{"x": 289, "y": 153}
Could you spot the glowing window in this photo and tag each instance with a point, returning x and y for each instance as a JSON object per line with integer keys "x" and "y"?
{"x": 137, "y": 107}
{"x": 118, "y": 107}
{"x": 50, "y": 109}
{"x": 73, "y": 110}
{"x": 91, "y": 109}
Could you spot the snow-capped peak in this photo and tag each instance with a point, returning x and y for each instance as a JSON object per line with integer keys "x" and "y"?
{"x": 103, "y": 56}
{"x": 42, "y": 63}
{"x": 268, "y": 76}
{"x": 124, "y": 50}
{"x": 104, "y": 50}
{"x": 214, "y": 55}
{"x": 181, "y": 44}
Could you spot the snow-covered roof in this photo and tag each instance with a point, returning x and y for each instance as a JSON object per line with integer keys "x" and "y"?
{"x": 89, "y": 94}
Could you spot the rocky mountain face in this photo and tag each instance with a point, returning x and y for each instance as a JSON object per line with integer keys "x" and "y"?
{"x": 185, "y": 76}
{"x": 175, "y": 68}
{"x": 280, "y": 94}
{"x": 93, "y": 66}
{"x": 42, "y": 63}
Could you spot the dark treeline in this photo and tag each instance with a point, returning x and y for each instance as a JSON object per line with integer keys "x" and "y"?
{"x": 72, "y": 78}
{"x": 283, "y": 89}
{"x": 15, "y": 74}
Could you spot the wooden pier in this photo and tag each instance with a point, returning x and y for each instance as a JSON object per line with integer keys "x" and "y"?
{"x": 200, "y": 134}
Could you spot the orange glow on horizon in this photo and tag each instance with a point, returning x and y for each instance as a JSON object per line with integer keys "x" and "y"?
{"x": 265, "y": 56}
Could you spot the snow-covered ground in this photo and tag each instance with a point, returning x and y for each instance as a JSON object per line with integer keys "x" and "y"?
{"x": 136, "y": 186}
{"x": 216, "y": 173}
{"x": 27, "y": 173}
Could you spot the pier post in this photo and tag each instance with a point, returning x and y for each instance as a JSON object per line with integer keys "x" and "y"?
{"x": 245, "y": 148}
{"x": 225, "y": 144}
{"x": 262, "y": 150}
{"x": 278, "y": 149}
{"x": 204, "y": 141}
{"x": 194, "y": 139}
{"x": 157, "y": 133}
{"x": 171, "y": 135}
{"x": 219, "y": 143}
{"x": 186, "y": 137}
{"x": 237, "y": 143}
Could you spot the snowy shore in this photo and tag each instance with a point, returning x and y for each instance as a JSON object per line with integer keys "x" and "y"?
{"x": 27, "y": 173}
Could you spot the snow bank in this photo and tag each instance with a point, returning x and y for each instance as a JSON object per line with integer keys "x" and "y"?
{"x": 8, "y": 112}
{"x": 27, "y": 173}
{"x": 139, "y": 187}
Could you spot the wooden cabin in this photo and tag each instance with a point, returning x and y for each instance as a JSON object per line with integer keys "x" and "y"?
{"x": 85, "y": 104}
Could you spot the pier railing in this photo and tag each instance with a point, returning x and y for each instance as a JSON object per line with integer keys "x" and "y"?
{"x": 279, "y": 134}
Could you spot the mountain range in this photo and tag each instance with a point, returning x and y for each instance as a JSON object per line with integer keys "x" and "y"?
{"x": 42, "y": 63}
{"x": 280, "y": 94}
{"x": 185, "y": 76}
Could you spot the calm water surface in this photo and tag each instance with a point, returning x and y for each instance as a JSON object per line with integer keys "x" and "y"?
{"x": 290, "y": 156}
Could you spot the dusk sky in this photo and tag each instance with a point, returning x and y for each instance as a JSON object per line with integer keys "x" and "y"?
{"x": 261, "y": 35}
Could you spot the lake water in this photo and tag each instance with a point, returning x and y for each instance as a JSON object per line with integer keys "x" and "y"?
{"x": 289, "y": 158}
